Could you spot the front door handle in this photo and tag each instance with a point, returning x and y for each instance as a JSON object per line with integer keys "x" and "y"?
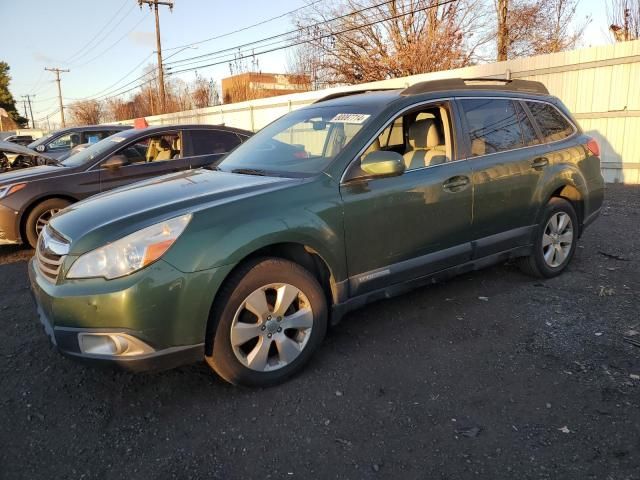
{"x": 540, "y": 162}
{"x": 456, "y": 184}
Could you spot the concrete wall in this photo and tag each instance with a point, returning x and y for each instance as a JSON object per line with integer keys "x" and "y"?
{"x": 599, "y": 85}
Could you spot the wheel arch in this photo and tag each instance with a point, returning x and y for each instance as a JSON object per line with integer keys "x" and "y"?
{"x": 33, "y": 204}
{"x": 304, "y": 255}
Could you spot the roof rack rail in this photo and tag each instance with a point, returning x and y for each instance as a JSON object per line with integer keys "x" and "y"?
{"x": 480, "y": 83}
{"x": 352, "y": 92}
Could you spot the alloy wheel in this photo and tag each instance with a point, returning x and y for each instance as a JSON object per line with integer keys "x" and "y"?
{"x": 43, "y": 219}
{"x": 271, "y": 327}
{"x": 557, "y": 239}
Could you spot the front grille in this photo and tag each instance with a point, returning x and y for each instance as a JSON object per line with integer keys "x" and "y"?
{"x": 50, "y": 252}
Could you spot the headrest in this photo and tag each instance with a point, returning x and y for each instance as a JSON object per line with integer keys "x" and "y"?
{"x": 164, "y": 144}
{"x": 424, "y": 134}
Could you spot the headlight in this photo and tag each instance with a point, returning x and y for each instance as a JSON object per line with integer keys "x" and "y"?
{"x": 9, "y": 189}
{"x": 131, "y": 253}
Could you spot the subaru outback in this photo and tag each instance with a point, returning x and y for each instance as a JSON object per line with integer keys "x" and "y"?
{"x": 358, "y": 197}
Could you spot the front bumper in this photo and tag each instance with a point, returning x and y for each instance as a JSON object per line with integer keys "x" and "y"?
{"x": 166, "y": 309}
{"x": 9, "y": 233}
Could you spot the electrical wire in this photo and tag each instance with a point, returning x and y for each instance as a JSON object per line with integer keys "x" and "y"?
{"x": 115, "y": 43}
{"x": 315, "y": 39}
{"x": 243, "y": 29}
{"x": 88, "y": 47}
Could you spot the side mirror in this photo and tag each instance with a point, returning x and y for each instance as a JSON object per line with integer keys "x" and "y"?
{"x": 114, "y": 162}
{"x": 383, "y": 164}
{"x": 41, "y": 148}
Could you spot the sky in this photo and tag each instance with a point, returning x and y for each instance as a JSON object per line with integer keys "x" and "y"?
{"x": 106, "y": 43}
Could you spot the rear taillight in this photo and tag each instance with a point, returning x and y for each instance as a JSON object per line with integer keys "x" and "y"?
{"x": 593, "y": 147}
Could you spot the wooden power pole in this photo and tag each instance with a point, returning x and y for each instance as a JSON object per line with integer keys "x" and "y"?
{"x": 503, "y": 29}
{"x": 154, "y": 4}
{"x": 58, "y": 71}
{"x": 33, "y": 121}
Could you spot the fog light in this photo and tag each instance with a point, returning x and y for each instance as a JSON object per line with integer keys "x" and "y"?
{"x": 112, "y": 344}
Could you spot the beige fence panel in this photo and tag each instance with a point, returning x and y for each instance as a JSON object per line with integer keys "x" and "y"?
{"x": 598, "y": 84}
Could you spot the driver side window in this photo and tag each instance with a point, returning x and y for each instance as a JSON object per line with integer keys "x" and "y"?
{"x": 422, "y": 136}
{"x": 60, "y": 143}
{"x": 157, "y": 148}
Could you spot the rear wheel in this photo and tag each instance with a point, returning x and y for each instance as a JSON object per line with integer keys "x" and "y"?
{"x": 39, "y": 218}
{"x": 270, "y": 317}
{"x": 555, "y": 241}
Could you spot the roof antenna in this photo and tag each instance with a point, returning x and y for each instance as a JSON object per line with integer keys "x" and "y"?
{"x": 507, "y": 75}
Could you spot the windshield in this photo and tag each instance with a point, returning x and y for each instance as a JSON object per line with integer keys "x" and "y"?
{"x": 92, "y": 152}
{"x": 40, "y": 141}
{"x": 301, "y": 143}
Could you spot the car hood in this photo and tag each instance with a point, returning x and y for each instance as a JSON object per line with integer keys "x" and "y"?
{"x": 11, "y": 147}
{"x": 112, "y": 215}
{"x": 29, "y": 174}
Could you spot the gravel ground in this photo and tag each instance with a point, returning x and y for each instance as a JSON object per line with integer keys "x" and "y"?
{"x": 490, "y": 375}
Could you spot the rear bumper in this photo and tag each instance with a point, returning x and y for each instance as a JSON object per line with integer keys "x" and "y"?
{"x": 9, "y": 233}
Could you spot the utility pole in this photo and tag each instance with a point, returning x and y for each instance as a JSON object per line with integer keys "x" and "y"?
{"x": 503, "y": 30}
{"x": 154, "y": 4}
{"x": 33, "y": 121}
{"x": 58, "y": 71}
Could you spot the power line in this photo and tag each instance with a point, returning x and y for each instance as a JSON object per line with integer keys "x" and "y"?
{"x": 92, "y": 44}
{"x": 290, "y": 32}
{"x": 113, "y": 44}
{"x": 248, "y": 27}
{"x": 117, "y": 82}
{"x": 320, "y": 37}
{"x": 118, "y": 91}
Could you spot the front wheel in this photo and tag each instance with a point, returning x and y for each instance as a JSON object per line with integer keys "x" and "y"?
{"x": 39, "y": 218}
{"x": 555, "y": 242}
{"x": 270, "y": 317}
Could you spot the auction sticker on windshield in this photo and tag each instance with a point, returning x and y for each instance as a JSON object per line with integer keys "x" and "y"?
{"x": 350, "y": 118}
{"x": 118, "y": 139}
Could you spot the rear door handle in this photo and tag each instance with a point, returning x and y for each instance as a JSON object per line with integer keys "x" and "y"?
{"x": 455, "y": 184}
{"x": 540, "y": 162}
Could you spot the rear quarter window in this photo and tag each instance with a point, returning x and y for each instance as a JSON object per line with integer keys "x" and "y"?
{"x": 553, "y": 125}
{"x": 207, "y": 142}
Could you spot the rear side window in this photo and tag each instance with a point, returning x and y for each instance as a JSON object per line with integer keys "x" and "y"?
{"x": 529, "y": 135}
{"x": 206, "y": 142}
{"x": 493, "y": 125}
{"x": 551, "y": 122}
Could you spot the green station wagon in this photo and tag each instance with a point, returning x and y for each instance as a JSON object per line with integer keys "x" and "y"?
{"x": 358, "y": 197}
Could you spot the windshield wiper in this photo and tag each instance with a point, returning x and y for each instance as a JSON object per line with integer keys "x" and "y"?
{"x": 250, "y": 171}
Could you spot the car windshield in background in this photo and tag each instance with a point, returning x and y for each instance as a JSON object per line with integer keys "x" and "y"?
{"x": 92, "y": 152}
{"x": 299, "y": 144}
{"x": 39, "y": 141}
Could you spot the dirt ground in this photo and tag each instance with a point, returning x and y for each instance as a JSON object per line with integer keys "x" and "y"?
{"x": 490, "y": 375}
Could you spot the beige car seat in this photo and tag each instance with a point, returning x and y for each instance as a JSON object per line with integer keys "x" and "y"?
{"x": 164, "y": 151}
{"x": 426, "y": 146}
{"x": 175, "y": 147}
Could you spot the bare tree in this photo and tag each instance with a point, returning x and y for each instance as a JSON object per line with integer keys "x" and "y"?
{"x": 536, "y": 27}
{"x": 386, "y": 40}
{"x": 85, "y": 112}
{"x": 624, "y": 19}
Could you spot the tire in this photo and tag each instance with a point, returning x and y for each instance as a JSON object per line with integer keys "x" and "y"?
{"x": 555, "y": 240}
{"x": 39, "y": 216}
{"x": 266, "y": 352}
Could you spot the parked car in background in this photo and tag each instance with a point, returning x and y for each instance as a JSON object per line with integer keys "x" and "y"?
{"x": 356, "y": 198}
{"x": 20, "y": 139}
{"x": 60, "y": 142}
{"x": 14, "y": 156}
{"x": 30, "y": 197}
{"x": 74, "y": 150}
